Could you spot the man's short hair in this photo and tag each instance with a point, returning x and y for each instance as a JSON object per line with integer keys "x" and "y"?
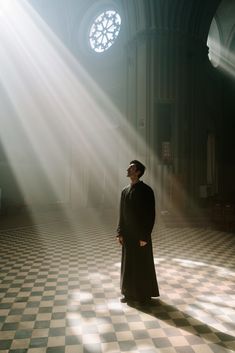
{"x": 139, "y": 166}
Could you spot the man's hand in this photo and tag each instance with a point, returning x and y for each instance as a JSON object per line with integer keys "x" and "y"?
{"x": 120, "y": 240}
{"x": 143, "y": 243}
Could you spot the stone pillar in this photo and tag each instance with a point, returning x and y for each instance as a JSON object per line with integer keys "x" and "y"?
{"x": 166, "y": 79}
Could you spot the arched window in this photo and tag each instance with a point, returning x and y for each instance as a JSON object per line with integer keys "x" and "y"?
{"x": 104, "y": 30}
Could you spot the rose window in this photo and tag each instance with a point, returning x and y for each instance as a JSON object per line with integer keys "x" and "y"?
{"x": 105, "y": 30}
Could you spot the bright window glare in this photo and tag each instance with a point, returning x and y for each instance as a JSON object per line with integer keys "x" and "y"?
{"x": 6, "y": 5}
{"x": 104, "y": 31}
{"x": 214, "y": 51}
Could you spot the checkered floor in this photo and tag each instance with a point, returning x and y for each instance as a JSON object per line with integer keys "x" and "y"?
{"x": 59, "y": 292}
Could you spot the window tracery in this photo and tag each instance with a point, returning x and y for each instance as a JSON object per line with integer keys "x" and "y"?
{"x": 104, "y": 30}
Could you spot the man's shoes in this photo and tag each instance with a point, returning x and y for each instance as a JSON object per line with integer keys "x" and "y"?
{"x": 136, "y": 303}
{"x": 124, "y": 300}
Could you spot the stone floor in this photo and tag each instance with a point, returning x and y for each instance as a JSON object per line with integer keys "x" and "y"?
{"x": 59, "y": 289}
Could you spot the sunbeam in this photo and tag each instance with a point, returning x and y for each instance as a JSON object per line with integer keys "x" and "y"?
{"x": 62, "y": 114}
{"x": 71, "y": 144}
{"x": 48, "y": 91}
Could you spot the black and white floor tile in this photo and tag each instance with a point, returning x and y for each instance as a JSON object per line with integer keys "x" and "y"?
{"x": 59, "y": 292}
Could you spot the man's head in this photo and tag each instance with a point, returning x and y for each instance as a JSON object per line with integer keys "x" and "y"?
{"x": 135, "y": 169}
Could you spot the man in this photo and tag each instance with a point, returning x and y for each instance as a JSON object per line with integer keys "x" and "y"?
{"x": 136, "y": 221}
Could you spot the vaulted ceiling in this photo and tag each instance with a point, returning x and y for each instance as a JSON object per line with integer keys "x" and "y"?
{"x": 186, "y": 16}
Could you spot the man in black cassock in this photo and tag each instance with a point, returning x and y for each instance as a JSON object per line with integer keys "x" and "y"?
{"x": 136, "y": 221}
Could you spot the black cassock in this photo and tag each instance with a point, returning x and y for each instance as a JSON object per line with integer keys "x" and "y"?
{"x": 137, "y": 216}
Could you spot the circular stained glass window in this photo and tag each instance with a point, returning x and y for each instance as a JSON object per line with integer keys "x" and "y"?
{"x": 105, "y": 30}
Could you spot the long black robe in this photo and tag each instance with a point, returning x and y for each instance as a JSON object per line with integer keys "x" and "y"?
{"x": 136, "y": 221}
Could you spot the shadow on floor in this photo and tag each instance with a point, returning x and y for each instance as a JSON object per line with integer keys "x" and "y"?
{"x": 181, "y": 320}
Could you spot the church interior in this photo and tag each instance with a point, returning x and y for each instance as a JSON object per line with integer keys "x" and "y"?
{"x": 86, "y": 87}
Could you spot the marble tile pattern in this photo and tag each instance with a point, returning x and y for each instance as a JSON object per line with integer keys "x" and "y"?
{"x": 59, "y": 291}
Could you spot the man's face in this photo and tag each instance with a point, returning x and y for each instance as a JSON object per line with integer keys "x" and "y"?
{"x": 132, "y": 171}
